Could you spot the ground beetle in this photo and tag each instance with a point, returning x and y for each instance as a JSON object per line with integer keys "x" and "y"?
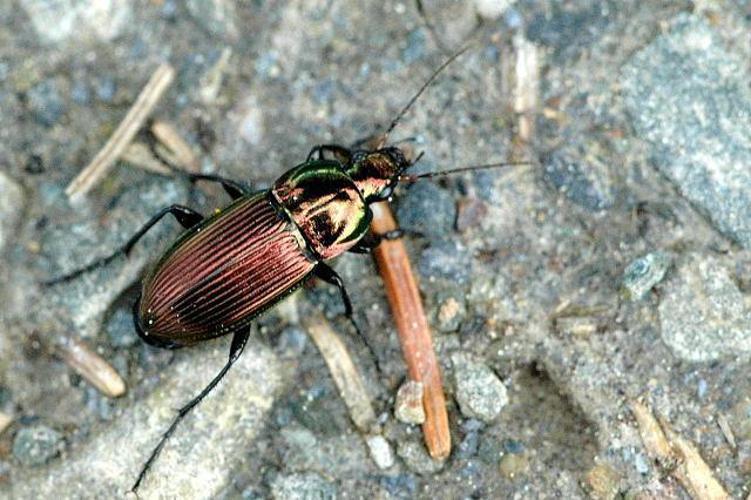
{"x": 226, "y": 269}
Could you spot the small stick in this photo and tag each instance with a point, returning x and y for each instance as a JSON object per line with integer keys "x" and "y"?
{"x": 90, "y": 366}
{"x": 123, "y": 135}
{"x": 183, "y": 153}
{"x": 139, "y": 155}
{"x": 678, "y": 455}
{"x": 5, "y": 421}
{"x": 345, "y": 375}
{"x": 414, "y": 334}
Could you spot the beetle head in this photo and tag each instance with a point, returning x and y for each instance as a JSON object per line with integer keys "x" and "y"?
{"x": 376, "y": 172}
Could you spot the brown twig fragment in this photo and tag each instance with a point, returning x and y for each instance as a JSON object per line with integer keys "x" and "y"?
{"x": 414, "y": 334}
{"x": 5, "y": 421}
{"x": 180, "y": 150}
{"x": 90, "y": 366}
{"x": 678, "y": 455}
{"x": 123, "y": 135}
{"x": 345, "y": 375}
{"x": 139, "y": 155}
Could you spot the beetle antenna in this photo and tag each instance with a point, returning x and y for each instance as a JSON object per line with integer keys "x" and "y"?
{"x": 414, "y": 177}
{"x": 425, "y": 85}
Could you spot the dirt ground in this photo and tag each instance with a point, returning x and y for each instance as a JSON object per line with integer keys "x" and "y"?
{"x": 591, "y": 311}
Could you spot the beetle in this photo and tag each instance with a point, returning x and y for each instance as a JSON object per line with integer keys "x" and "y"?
{"x": 226, "y": 269}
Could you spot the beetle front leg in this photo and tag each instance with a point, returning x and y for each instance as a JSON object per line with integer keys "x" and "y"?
{"x": 236, "y": 348}
{"x": 370, "y": 241}
{"x": 187, "y": 217}
{"x": 342, "y": 154}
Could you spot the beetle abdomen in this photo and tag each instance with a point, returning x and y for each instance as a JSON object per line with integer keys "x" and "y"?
{"x": 222, "y": 273}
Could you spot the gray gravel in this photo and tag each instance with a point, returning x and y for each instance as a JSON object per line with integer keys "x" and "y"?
{"x": 639, "y": 184}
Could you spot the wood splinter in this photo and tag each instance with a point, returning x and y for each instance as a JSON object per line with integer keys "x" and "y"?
{"x": 414, "y": 333}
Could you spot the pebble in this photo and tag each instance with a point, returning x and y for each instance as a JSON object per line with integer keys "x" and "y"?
{"x": 57, "y": 21}
{"x": 302, "y": 486}
{"x": 641, "y": 275}
{"x": 492, "y": 9}
{"x": 479, "y": 392}
{"x": 603, "y": 482}
{"x": 37, "y": 444}
{"x": 380, "y": 451}
{"x": 703, "y": 314}
{"x": 417, "y": 459}
{"x": 408, "y": 407}
{"x": 688, "y": 97}
{"x": 513, "y": 465}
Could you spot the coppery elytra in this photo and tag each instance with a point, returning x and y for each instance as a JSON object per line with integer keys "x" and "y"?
{"x": 226, "y": 269}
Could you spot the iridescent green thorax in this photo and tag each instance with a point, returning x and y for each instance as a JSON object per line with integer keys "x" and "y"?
{"x": 326, "y": 206}
{"x": 374, "y": 172}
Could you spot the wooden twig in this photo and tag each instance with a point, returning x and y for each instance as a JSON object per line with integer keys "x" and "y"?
{"x": 343, "y": 371}
{"x": 91, "y": 366}
{"x": 181, "y": 150}
{"x": 5, "y": 421}
{"x": 123, "y": 135}
{"x": 526, "y": 85}
{"x": 678, "y": 455}
{"x": 139, "y": 155}
{"x": 414, "y": 334}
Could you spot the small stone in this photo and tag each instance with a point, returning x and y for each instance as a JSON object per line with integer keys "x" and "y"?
{"x": 513, "y": 465}
{"x": 417, "y": 459}
{"x": 59, "y": 20}
{"x": 302, "y": 486}
{"x": 603, "y": 482}
{"x": 641, "y": 275}
{"x": 492, "y": 9}
{"x": 703, "y": 314}
{"x": 688, "y": 97}
{"x": 448, "y": 310}
{"x": 380, "y": 451}
{"x": 408, "y": 407}
{"x": 479, "y": 392}
{"x": 37, "y": 444}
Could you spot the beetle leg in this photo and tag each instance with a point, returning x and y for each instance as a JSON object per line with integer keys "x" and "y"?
{"x": 187, "y": 217}
{"x": 233, "y": 188}
{"x": 236, "y": 348}
{"x": 371, "y": 240}
{"x": 327, "y": 274}
{"x": 342, "y": 154}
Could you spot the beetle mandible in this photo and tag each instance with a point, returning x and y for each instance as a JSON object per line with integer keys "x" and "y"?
{"x": 226, "y": 269}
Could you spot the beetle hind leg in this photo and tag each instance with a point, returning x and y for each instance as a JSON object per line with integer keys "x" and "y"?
{"x": 236, "y": 348}
{"x": 187, "y": 217}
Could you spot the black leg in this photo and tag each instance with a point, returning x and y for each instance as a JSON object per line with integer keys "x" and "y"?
{"x": 370, "y": 241}
{"x": 233, "y": 188}
{"x": 187, "y": 217}
{"x": 324, "y": 272}
{"x": 238, "y": 344}
{"x": 342, "y": 154}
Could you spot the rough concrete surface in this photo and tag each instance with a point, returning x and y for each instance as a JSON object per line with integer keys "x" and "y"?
{"x": 636, "y": 118}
